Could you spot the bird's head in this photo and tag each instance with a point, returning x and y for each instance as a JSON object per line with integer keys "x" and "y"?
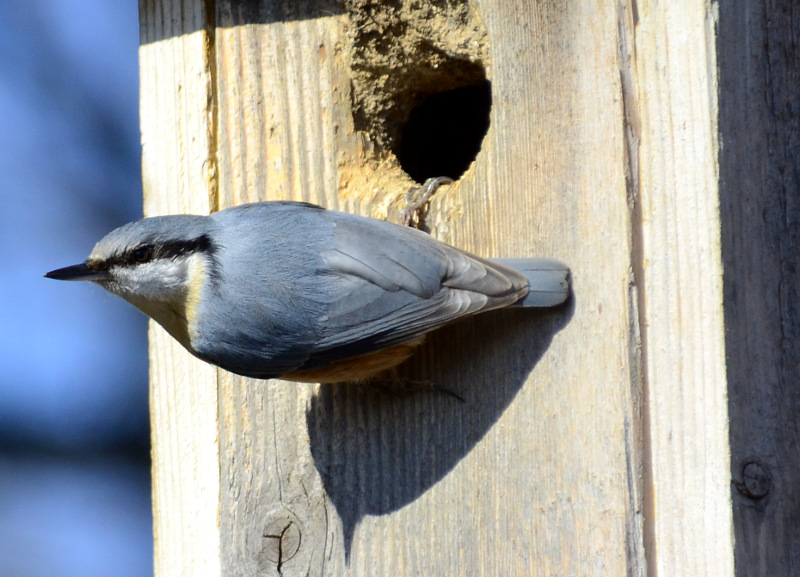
{"x": 157, "y": 264}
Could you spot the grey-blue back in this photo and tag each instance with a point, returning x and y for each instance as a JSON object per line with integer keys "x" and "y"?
{"x": 314, "y": 286}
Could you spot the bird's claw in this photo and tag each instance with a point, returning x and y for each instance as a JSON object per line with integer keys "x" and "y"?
{"x": 418, "y": 197}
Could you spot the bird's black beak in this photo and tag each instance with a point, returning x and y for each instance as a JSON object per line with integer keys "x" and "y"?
{"x": 77, "y": 272}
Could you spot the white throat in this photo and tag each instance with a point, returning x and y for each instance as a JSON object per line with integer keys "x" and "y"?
{"x": 167, "y": 290}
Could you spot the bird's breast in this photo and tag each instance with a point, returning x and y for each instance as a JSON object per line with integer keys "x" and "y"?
{"x": 358, "y": 369}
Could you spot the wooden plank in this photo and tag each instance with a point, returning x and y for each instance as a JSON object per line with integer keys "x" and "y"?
{"x": 177, "y": 173}
{"x": 759, "y": 122}
{"x": 279, "y": 97}
{"x": 683, "y": 339}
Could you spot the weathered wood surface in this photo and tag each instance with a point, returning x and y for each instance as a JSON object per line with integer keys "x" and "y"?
{"x": 177, "y": 176}
{"x": 759, "y": 68}
{"x": 594, "y": 439}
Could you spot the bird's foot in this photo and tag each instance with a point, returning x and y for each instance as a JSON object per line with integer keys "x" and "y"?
{"x": 393, "y": 384}
{"x": 417, "y": 198}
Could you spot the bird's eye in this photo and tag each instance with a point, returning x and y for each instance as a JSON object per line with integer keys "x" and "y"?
{"x": 142, "y": 254}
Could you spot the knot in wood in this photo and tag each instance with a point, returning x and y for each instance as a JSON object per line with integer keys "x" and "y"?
{"x": 280, "y": 540}
{"x": 756, "y": 481}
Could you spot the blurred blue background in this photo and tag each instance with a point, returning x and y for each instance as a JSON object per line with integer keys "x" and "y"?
{"x": 74, "y": 436}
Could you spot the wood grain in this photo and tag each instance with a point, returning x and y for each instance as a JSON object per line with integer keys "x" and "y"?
{"x": 681, "y": 303}
{"x": 177, "y": 173}
{"x": 760, "y": 223}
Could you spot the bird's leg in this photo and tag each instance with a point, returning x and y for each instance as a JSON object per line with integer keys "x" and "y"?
{"x": 416, "y": 198}
{"x": 392, "y": 383}
{"x": 440, "y": 389}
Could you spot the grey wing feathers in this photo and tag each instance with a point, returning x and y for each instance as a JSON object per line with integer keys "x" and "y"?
{"x": 391, "y": 256}
{"x": 388, "y": 254}
{"x": 400, "y": 284}
{"x": 387, "y": 273}
{"x": 471, "y": 273}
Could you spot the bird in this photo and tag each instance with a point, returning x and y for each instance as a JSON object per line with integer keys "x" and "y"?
{"x": 291, "y": 290}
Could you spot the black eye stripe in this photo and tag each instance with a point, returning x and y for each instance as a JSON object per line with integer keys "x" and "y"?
{"x": 155, "y": 250}
{"x": 176, "y": 248}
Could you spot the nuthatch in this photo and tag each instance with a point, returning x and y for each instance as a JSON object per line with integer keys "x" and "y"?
{"x": 295, "y": 291}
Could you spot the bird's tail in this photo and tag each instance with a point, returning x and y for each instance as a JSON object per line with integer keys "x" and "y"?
{"x": 548, "y": 280}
